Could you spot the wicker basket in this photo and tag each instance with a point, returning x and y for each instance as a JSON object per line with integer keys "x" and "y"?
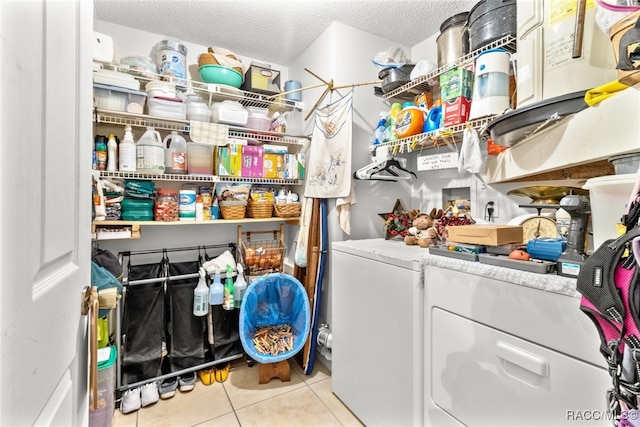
{"x": 207, "y": 58}
{"x": 262, "y": 209}
{"x": 234, "y": 211}
{"x": 287, "y": 210}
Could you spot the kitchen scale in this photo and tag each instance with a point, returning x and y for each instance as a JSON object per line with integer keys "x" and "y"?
{"x": 542, "y": 197}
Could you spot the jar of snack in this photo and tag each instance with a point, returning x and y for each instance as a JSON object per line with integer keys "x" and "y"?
{"x": 166, "y": 206}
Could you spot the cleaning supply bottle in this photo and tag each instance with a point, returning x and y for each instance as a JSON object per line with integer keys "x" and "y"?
{"x": 175, "y": 154}
{"x": 150, "y": 153}
{"x": 227, "y": 302}
{"x": 239, "y": 287}
{"x": 101, "y": 153}
{"x": 127, "y": 154}
{"x": 112, "y": 154}
{"x": 201, "y": 296}
{"x": 216, "y": 290}
{"x": 409, "y": 121}
{"x": 378, "y": 134}
{"x": 391, "y": 123}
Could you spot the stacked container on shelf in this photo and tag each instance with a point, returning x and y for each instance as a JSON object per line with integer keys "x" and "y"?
{"x": 163, "y": 100}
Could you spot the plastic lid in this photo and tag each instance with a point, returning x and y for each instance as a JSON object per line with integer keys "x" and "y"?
{"x": 167, "y": 192}
{"x": 396, "y": 105}
{"x": 106, "y": 357}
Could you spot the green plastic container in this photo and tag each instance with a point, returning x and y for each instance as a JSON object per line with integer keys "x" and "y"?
{"x": 219, "y": 74}
{"x": 137, "y": 209}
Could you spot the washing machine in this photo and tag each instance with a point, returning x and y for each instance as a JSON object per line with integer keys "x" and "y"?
{"x": 508, "y": 348}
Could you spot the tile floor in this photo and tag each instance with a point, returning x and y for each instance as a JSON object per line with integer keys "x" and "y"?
{"x": 306, "y": 400}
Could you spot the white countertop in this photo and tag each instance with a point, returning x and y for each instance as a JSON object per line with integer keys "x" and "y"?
{"x": 395, "y": 252}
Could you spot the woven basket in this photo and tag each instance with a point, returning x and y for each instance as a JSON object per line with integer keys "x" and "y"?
{"x": 233, "y": 211}
{"x": 207, "y": 58}
{"x": 261, "y": 209}
{"x": 287, "y": 210}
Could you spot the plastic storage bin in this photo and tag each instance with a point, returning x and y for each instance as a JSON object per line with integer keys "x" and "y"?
{"x": 102, "y": 415}
{"x": 137, "y": 209}
{"x": 608, "y": 196}
{"x": 157, "y": 88}
{"x": 116, "y": 78}
{"x": 167, "y": 108}
{"x": 229, "y": 112}
{"x": 200, "y": 158}
{"x": 118, "y": 99}
{"x": 258, "y": 118}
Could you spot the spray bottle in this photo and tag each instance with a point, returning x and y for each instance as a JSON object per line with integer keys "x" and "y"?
{"x": 216, "y": 291}
{"x": 201, "y": 296}
{"x": 239, "y": 287}
{"x": 378, "y": 134}
{"x": 227, "y": 302}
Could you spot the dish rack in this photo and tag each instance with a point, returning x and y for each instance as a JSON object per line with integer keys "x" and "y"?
{"x": 262, "y": 256}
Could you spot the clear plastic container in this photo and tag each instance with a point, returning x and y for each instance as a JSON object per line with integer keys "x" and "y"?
{"x": 166, "y": 206}
{"x": 200, "y": 158}
{"x": 198, "y": 111}
{"x": 167, "y": 108}
{"x": 229, "y": 112}
{"x": 258, "y": 118}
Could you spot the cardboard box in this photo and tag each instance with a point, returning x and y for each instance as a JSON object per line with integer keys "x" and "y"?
{"x": 252, "y": 161}
{"x": 230, "y": 160}
{"x": 455, "y": 83}
{"x": 455, "y": 111}
{"x": 481, "y": 234}
{"x": 273, "y": 166}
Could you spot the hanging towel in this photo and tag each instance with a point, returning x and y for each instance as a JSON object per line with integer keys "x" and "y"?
{"x": 329, "y": 162}
{"x": 343, "y": 206}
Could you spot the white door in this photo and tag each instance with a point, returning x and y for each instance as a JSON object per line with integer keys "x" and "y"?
{"x": 45, "y": 210}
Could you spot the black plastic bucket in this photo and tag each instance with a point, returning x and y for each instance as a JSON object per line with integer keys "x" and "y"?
{"x": 490, "y": 20}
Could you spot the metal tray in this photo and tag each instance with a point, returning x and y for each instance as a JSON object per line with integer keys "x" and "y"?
{"x": 467, "y": 256}
{"x": 531, "y": 266}
{"x": 515, "y": 126}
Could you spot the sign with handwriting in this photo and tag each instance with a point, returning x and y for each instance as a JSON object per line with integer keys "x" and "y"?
{"x": 438, "y": 161}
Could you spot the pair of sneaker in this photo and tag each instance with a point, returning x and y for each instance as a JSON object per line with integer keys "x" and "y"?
{"x": 185, "y": 382}
{"x": 135, "y": 398}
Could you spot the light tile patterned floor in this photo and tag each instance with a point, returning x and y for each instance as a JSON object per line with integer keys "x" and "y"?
{"x": 306, "y": 400}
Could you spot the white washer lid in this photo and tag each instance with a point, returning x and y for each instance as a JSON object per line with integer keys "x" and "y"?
{"x": 115, "y": 78}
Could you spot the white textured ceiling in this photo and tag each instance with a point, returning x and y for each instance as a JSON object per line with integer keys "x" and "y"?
{"x": 279, "y": 30}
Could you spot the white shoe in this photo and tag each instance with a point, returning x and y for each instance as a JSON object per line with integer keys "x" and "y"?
{"x": 149, "y": 394}
{"x": 130, "y": 401}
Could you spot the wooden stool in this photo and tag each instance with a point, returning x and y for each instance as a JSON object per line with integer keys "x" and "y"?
{"x": 268, "y": 371}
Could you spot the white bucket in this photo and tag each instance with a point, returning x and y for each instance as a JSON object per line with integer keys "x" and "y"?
{"x": 608, "y": 196}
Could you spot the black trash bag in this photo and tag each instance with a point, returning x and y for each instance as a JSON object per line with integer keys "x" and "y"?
{"x": 226, "y": 335}
{"x": 143, "y": 324}
{"x": 184, "y": 330}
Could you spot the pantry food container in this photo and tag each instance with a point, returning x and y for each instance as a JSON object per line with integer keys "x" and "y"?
{"x": 168, "y": 108}
{"x": 118, "y": 99}
{"x": 258, "y": 118}
{"x": 198, "y": 111}
{"x": 134, "y": 209}
{"x": 157, "y": 88}
{"x": 229, "y": 112}
{"x": 200, "y": 158}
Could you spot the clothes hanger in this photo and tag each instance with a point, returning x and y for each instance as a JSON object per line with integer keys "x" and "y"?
{"x": 388, "y": 169}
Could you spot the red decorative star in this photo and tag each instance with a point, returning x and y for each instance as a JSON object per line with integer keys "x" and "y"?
{"x": 396, "y": 222}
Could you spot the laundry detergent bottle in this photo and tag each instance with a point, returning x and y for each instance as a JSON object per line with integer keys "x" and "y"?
{"x": 201, "y": 296}
{"x": 216, "y": 290}
{"x": 175, "y": 154}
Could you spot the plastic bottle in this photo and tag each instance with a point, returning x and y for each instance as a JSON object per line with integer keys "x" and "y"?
{"x": 239, "y": 287}
{"x": 112, "y": 154}
{"x": 391, "y": 123}
{"x": 216, "y": 290}
{"x": 150, "y": 153}
{"x": 127, "y": 152}
{"x": 378, "y": 134}
{"x": 101, "y": 153}
{"x": 201, "y": 296}
{"x": 227, "y": 302}
{"x": 409, "y": 121}
{"x": 175, "y": 154}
